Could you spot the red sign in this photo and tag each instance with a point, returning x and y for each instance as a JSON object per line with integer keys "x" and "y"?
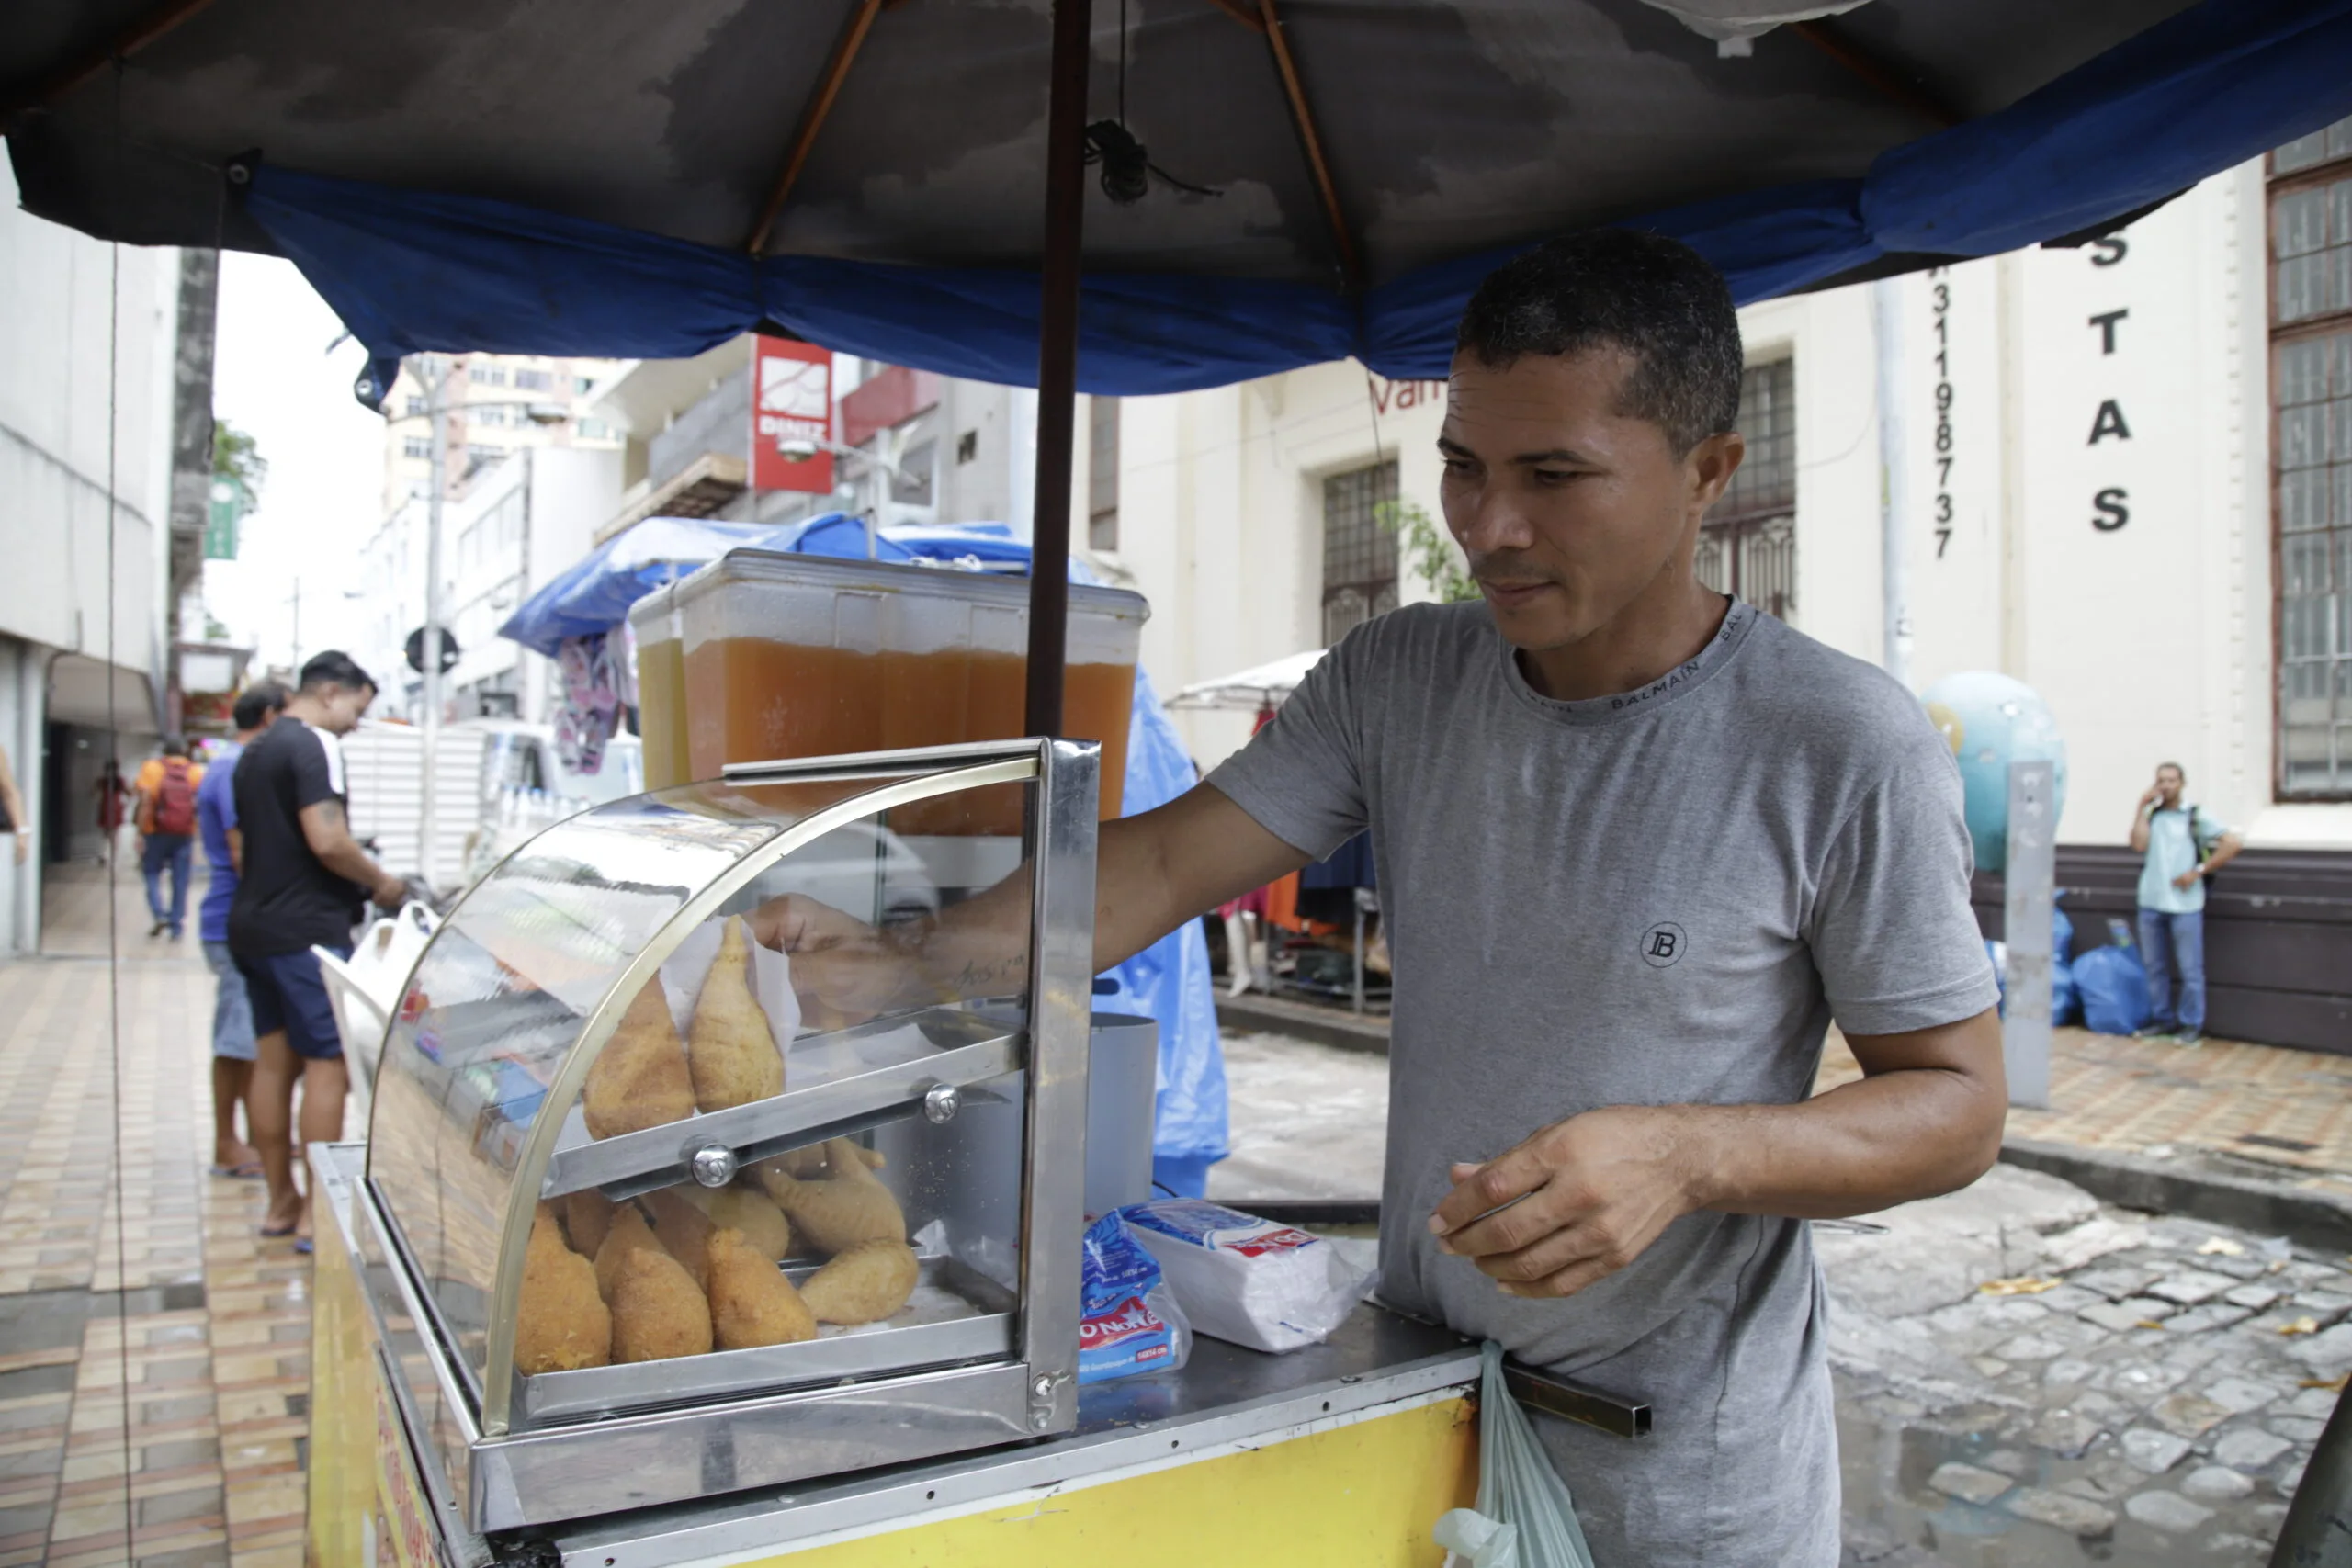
{"x": 792, "y": 400}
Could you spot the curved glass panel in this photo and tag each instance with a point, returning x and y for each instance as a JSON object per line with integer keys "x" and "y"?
{"x": 497, "y": 1001}
{"x": 593, "y": 1013}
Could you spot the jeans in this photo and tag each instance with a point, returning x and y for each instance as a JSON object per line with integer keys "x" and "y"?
{"x": 176, "y": 852}
{"x": 232, "y": 1008}
{"x": 2165, "y": 940}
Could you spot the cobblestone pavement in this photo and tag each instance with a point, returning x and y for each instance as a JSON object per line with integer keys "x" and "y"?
{"x": 154, "y": 1380}
{"x": 2141, "y": 1391}
{"x": 2135, "y": 1386}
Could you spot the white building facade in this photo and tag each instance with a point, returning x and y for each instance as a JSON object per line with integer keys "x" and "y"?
{"x": 2122, "y": 489}
{"x": 88, "y": 348}
{"x": 520, "y": 522}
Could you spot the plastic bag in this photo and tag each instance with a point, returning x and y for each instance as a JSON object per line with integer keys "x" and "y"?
{"x": 2114, "y": 990}
{"x": 1524, "y": 1517}
{"x": 1129, "y": 1322}
{"x": 1268, "y": 1286}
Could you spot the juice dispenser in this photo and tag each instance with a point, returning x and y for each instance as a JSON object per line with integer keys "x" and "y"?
{"x": 789, "y": 655}
{"x": 654, "y": 623}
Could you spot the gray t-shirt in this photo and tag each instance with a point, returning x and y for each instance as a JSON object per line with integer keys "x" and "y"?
{"x": 1653, "y": 898}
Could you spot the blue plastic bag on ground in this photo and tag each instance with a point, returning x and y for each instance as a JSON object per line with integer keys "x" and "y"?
{"x": 2113, "y": 989}
{"x": 1525, "y": 1519}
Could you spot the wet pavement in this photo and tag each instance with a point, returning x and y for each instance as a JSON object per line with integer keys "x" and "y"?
{"x": 2134, "y": 1389}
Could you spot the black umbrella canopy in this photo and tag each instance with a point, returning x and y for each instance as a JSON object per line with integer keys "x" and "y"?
{"x": 1347, "y": 141}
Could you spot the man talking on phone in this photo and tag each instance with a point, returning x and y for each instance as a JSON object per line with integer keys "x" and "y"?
{"x": 1639, "y": 846}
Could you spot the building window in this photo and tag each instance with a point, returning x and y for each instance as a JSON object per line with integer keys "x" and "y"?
{"x": 534, "y": 381}
{"x": 416, "y": 447}
{"x": 1102, "y": 474}
{"x": 1747, "y": 547}
{"x": 2310, "y": 389}
{"x": 415, "y": 406}
{"x": 484, "y": 373}
{"x": 594, "y": 430}
{"x": 581, "y": 384}
{"x": 967, "y": 447}
{"x": 1359, "y": 548}
{"x": 492, "y": 415}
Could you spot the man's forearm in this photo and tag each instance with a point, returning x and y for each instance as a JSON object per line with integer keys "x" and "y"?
{"x": 1860, "y": 1147}
{"x": 348, "y": 860}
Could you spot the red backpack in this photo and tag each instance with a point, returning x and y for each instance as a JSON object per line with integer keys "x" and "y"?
{"x": 175, "y": 799}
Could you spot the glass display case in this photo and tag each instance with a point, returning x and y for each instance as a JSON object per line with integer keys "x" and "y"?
{"x": 666, "y": 1210}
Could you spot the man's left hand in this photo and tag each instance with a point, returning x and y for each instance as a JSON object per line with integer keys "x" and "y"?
{"x": 2188, "y": 879}
{"x": 1591, "y": 1194}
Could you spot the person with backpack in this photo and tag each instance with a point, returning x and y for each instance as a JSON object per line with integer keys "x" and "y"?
{"x": 2183, "y": 848}
{"x": 163, "y": 803}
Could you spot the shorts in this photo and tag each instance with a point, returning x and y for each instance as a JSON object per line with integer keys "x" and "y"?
{"x": 232, "y": 1007}
{"x": 288, "y": 993}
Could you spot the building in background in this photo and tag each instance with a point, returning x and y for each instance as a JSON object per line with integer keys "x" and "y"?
{"x": 497, "y": 404}
{"x": 920, "y": 448}
{"x": 521, "y": 521}
{"x": 103, "y": 469}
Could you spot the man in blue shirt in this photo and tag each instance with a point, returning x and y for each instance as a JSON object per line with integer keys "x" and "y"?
{"x": 233, "y": 1048}
{"x": 2183, "y": 848}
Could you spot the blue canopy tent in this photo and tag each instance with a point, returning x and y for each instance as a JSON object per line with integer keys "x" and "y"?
{"x": 1168, "y": 981}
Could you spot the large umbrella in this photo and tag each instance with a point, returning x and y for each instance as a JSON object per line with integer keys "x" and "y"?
{"x": 1281, "y": 182}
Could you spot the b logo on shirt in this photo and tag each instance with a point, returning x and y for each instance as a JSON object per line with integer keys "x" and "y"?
{"x": 1662, "y": 944}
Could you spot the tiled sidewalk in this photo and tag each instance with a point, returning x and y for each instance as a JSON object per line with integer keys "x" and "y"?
{"x": 178, "y": 1351}
{"x": 2290, "y": 1111}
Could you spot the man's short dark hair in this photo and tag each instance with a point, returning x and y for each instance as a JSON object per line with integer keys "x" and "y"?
{"x": 1656, "y": 298}
{"x": 175, "y": 745}
{"x": 335, "y": 667}
{"x": 256, "y": 703}
{"x": 2176, "y": 767}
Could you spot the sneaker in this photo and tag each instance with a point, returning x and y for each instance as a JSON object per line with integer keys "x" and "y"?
{"x": 2191, "y": 1038}
{"x": 2154, "y": 1032}
{"x": 158, "y": 928}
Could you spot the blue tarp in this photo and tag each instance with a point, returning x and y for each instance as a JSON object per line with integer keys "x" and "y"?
{"x": 1168, "y": 981}
{"x": 2218, "y": 84}
{"x": 593, "y": 593}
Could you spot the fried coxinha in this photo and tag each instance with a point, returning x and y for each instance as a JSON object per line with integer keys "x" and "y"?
{"x": 647, "y": 1076}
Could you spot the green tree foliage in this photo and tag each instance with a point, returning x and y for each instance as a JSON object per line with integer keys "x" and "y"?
{"x": 1429, "y": 549}
{"x": 236, "y": 457}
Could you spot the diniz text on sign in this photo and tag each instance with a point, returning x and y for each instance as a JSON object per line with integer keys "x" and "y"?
{"x": 2110, "y": 506}
{"x": 1945, "y": 454}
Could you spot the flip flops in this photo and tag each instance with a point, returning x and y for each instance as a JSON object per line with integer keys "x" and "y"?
{"x": 276, "y": 1233}
{"x": 250, "y": 1171}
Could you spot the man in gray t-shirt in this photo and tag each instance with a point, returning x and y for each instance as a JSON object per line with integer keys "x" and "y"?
{"x": 1639, "y": 846}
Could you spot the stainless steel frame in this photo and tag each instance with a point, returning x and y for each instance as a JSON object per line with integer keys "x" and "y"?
{"x": 518, "y": 1456}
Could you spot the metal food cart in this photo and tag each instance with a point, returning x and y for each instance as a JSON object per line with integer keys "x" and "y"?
{"x": 938, "y": 1429}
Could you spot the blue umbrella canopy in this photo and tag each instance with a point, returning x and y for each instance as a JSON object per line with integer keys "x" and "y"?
{"x": 1320, "y": 178}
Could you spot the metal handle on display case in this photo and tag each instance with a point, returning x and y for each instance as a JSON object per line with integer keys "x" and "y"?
{"x": 661, "y": 1156}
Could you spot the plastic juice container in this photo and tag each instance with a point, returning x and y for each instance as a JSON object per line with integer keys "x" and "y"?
{"x": 661, "y": 688}
{"x": 805, "y": 656}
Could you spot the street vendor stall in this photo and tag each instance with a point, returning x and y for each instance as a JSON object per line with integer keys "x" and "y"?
{"x": 591, "y": 1042}
{"x": 1321, "y": 181}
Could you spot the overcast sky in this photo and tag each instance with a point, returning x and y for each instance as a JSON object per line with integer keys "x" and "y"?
{"x": 272, "y": 378}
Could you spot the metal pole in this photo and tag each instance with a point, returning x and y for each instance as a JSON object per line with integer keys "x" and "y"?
{"x": 1894, "y": 442}
{"x": 2028, "y": 881}
{"x": 435, "y": 374}
{"x": 1057, "y": 363}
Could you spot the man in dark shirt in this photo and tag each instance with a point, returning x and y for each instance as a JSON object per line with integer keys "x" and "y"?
{"x": 302, "y": 879}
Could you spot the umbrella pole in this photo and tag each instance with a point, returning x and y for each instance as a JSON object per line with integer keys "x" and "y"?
{"x": 1058, "y": 365}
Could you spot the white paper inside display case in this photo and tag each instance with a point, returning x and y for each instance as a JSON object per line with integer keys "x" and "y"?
{"x": 682, "y": 976}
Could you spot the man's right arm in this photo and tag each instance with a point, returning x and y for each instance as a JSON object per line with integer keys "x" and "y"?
{"x": 329, "y": 836}
{"x": 2140, "y": 823}
{"x": 1153, "y": 871}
